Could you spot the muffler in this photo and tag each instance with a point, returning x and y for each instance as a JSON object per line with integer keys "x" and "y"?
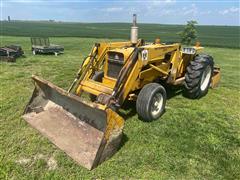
{"x": 134, "y": 31}
{"x": 88, "y": 133}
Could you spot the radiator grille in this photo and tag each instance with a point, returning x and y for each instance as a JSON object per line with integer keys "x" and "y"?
{"x": 115, "y": 64}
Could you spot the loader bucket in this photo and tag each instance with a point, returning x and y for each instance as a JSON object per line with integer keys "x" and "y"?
{"x": 87, "y": 133}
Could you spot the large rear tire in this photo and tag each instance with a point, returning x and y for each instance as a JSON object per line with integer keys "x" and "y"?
{"x": 198, "y": 76}
{"x": 98, "y": 76}
{"x": 151, "y": 101}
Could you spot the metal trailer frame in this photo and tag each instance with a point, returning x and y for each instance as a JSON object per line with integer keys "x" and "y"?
{"x": 42, "y": 45}
{"x": 10, "y": 53}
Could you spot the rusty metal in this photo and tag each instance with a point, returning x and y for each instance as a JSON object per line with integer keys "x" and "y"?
{"x": 103, "y": 98}
{"x": 10, "y": 53}
{"x": 216, "y": 77}
{"x": 91, "y": 132}
{"x": 75, "y": 127}
{"x": 8, "y": 58}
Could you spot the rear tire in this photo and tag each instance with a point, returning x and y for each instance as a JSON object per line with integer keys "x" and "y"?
{"x": 198, "y": 76}
{"x": 151, "y": 102}
{"x": 98, "y": 76}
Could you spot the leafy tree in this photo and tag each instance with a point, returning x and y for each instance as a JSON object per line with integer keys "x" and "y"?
{"x": 189, "y": 33}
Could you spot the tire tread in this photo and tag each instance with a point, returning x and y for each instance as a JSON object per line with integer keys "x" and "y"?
{"x": 194, "y": 73}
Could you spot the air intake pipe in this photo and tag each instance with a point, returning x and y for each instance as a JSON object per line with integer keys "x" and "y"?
{"x": 134, "y": 30}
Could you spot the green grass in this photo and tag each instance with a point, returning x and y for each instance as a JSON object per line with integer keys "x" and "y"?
{"x": 218, "y": 36}
{"x": 194, "y": 139}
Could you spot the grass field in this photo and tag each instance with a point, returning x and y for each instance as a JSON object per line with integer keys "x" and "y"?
{"x": 194, "y": 139}
{"x": 218, "y": 36}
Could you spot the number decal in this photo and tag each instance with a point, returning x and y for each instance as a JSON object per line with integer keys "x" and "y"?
{"x": 144, "y": 55}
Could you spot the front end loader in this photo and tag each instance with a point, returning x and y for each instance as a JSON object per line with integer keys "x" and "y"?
{"x": 89, "y": 129}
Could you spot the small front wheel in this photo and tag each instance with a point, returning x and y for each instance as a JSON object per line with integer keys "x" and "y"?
{"x": 151, "y": 101}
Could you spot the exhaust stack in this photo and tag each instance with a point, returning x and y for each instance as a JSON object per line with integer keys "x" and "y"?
{"x": 134, "y": 30}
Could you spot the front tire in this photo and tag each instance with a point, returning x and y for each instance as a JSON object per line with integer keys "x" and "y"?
{"x": 198, "y": 76}
{"x": 151, "y": 102}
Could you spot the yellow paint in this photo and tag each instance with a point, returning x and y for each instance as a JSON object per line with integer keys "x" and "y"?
{"x": 167, "y": 62}
{"x": 216, "y": 77}
{"x": 154, "y": 61}
{"x": 114, "y": 123}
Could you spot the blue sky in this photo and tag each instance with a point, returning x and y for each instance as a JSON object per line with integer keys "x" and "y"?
{"x": 162, "y": 12}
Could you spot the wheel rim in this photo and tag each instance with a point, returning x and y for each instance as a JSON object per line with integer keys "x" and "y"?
{"x": 206, "y": 78}
{"x": 157, "y": 104}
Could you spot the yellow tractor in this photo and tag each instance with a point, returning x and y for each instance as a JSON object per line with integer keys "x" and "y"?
{"x": 90, "y": 129}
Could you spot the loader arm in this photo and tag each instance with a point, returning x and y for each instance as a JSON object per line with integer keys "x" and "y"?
{"x": 125, "y": 78}
{"x": 84, "y": 68}
{"x": 91, "y": 132}
{"x": 96, "y": 64}
{"x": 129, "y": 78}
